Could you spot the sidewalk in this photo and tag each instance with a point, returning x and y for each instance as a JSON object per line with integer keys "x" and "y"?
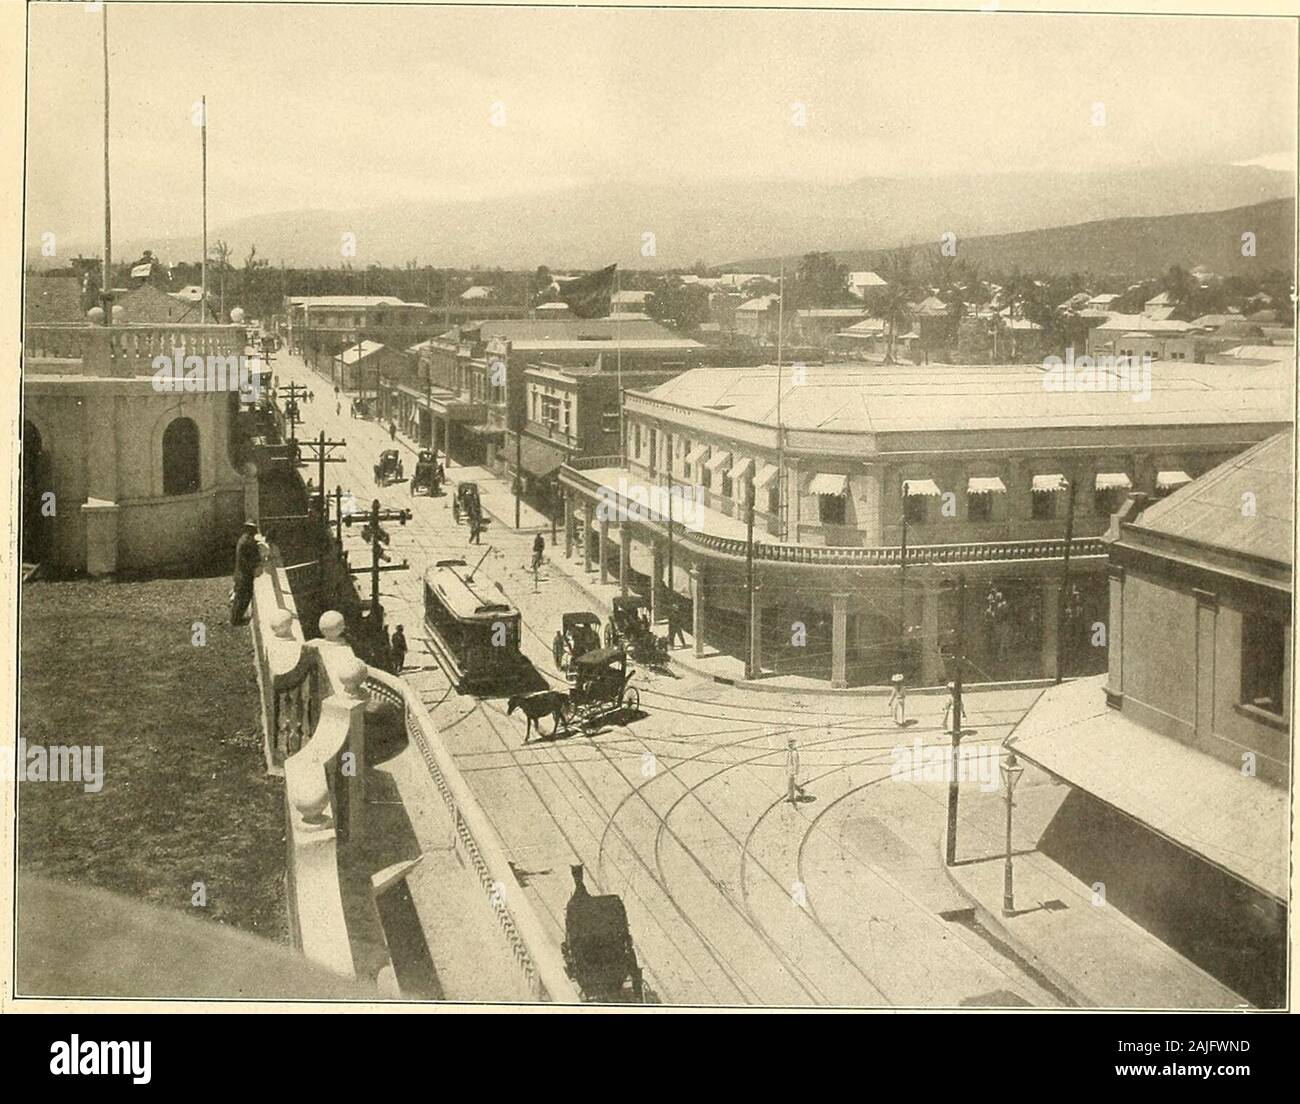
{"x": 1091, "y": 951}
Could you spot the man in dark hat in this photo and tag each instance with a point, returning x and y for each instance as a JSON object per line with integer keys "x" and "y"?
{"x": 397, "y": 646}
{"x": 248, "y": 562}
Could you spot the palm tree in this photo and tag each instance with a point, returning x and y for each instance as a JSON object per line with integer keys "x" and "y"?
{"x": 894, "y": 299}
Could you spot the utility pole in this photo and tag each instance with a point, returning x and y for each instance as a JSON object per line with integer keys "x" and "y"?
{"x": 902, "y": 588}
{"x": 294, "y": 392}
{"x": 959, "y": 660}
{"x": 519, "y": 472}
{"x": 203, "y": 119}
{"x": 750, "y": 667}
{"x": 1065, "y": 584}
{"x": 377, "y": 538}
{"x": 321, "y": 457}
{"x": 106, "y": 291}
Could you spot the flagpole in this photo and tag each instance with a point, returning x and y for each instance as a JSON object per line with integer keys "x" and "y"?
{"x": 780, "y": 433}
{"x": 618, "y": 367}
{"x": 106, "y": 292}
{"x": 203, "y": 302}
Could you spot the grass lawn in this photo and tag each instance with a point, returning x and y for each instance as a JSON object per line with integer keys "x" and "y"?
{"x": 186, "y": 797}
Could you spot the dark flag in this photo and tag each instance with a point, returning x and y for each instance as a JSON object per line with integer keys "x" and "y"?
{"x": 589, "y": 296}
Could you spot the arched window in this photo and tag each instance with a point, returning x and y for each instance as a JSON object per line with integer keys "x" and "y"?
{"x": 180, "y": 456}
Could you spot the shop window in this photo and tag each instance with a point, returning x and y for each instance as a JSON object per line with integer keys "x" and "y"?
{"x": 180, "y": 457}
{"x": 831, "y": 508}
{"x": 1263, "y": 651}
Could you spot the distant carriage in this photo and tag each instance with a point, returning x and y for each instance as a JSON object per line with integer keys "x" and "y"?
{"x": 428, "y": 476}
{"x": 579, "y": 633}
{"x": 474, "y": 636}
{"x": 598, "y": 951}
{"x": 466, "y": 504}
{"x": 389, "y": 468}
{"x": 629, "y": 627}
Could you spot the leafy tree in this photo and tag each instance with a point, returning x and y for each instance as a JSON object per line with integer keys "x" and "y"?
{"x": 821, "y": 281}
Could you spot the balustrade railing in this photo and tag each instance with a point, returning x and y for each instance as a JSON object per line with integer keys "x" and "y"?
{"x": 129, "y": 350}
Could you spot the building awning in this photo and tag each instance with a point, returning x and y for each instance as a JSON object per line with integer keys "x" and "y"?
{"x": 828, "y": 484}
{"x": 698, "y": 453}
{"x": 539, "y": 458}
{"x": 1168, "y": 480}
{"x": 490, "y": 432}
{"x": 741, "y": 470}
{"x": 717, "y": 460}
{"x": 926, "y": 487}
{"x": 1233, "y": 820}
{"x": 981, "y": 484}
{"x": 766, "y": 473}
{"x": 1113, "y": 481}
{"x": 1049, "y": 484}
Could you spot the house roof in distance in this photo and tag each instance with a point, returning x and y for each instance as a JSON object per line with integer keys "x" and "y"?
{"x": 581, "y": 333}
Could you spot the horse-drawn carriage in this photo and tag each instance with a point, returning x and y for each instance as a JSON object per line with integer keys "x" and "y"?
{"x": 629, "y": 627}
{"x": 579, "y": 634}
{"x": 598, "y": 951}
{"x": 389, "y": 468}
{"x": 428, "y": 476}
{"x": 465, "y": 503}
{"x": 601, "y": 685}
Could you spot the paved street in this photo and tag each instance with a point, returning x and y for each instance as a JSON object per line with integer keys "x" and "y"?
{"x": 735, "y": 896}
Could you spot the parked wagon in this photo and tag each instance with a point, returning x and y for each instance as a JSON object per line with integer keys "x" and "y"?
{"x": 579, "y": 634}
{"x": 629, "y": 627}
{"x": 601, "y": 686}
{"x": 389, "y": 468}
{"x": 599, "y": 955}
{"x": 428, "y": 476}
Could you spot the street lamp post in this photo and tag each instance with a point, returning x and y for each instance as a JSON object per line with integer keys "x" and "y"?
{"x": 1011, "y": 772}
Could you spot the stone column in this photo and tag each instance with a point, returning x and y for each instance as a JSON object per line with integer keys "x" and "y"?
{"x": 1115, "y": 638}
{"x": 839, "y": 642}
{"x": 932, "y": 672}
{"x": 100, "y": 521}
{"x": 586, "y": 536}
{"x": 604, "y": 550}
{"x": 568, "y": 525}
{"x": 1051, "y": 608}
{"x": 656, "y": 581}
{"x": 1207, "y": 612}
{"x": 697, "y": 608}
{"x": 624, "y": 556}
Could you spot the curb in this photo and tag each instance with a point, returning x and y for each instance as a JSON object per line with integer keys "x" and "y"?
{"x": 995, "y": 924}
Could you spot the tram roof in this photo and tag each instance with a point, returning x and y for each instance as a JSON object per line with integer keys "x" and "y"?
{"x": 449, "y": 580}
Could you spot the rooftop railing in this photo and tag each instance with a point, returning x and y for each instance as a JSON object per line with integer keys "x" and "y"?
{"x": 127, "y": 351}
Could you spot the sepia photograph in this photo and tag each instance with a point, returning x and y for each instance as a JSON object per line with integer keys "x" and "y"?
{"x": 651, "y": 508}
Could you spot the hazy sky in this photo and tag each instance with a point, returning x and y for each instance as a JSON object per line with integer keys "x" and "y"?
{"x": 342, "y": 107}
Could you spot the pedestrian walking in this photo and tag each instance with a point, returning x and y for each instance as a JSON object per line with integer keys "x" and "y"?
{"x": 397, "y": 649}
{"x": 948, "y": 723}
{"x": 475, "y": 528}
{"x": 392, "y": 431}
{"x": 898, "y": 700}
{"x": 338, "y": 409}
{"x": 675, "y": 634}
{"x": 539, "y": 550}
{"x": 248, "y": 562}
{"x": 793, "y": 790}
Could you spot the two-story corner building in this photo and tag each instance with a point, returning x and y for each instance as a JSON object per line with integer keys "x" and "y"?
{"x": 324, "y": 324}
{"x": 1179, "y": 758}
{"x": 971, "y": 468}
{"x": 118, "y": 474}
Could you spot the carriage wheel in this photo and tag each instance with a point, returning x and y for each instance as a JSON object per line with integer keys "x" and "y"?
{"x": 631, "y": 702}
{"x": 568, "y": 713}
{"x": 609, "y": 633}
{"x": 557, "y": 650}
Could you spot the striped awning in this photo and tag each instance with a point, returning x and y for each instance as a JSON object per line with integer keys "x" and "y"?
{"x": 1049, "y": 484}
{"x": 1113, "y": 481}
{"x": 741, "y": 470}
{"x": 828, "y": 484}
{"x": 1168, "y": 480}
{"x": 698, "y": 453}
{"x": 717, "y": 460}
{"x": 926, "y": 487}
{"x": 766, "y": 473}
{"x": 985, "y": 484}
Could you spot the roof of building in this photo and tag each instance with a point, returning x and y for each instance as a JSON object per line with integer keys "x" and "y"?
{"x": 583, "y": 333}
{"x": 1164, "y": 299}
{"x": 866, "y": 279}
{"x": 353, "y": 353}
{"x": 931, "y": 304}
{"x": 478, "y": 291}
{"x": 1145, "y": 323}
{"x": 350, "y": 301}
{"x": 865, "y": 398}
{"x": 840, "y": 313}
{"x": 761, "y": 303}
{"x": 53, "y": 299}
{"x": 1209, "y": 510}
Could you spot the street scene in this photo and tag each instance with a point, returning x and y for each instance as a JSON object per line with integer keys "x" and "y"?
{"x": 576, "y": 547}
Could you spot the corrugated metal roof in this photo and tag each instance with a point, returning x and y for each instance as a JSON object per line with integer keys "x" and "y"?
{"x": 1213, "y": 510}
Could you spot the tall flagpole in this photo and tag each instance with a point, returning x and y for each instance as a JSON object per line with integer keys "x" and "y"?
{"x": 203, "y": 303}
{"x": 780, "y": 433}
{"x": 618, "y": 367}
{"x": 106, "y": 292}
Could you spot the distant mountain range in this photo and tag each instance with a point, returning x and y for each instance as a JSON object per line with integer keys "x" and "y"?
{"x": 1131, "y": 247}
{"x": 720, "y": 221}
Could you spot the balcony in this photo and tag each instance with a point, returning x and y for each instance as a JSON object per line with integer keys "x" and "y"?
{"x": 122, "y": 352}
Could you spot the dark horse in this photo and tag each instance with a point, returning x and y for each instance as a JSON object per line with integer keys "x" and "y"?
{"x": 535, "y": 706}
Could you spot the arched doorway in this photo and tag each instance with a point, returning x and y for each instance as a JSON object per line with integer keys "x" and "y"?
{"x": 37, "y": 528}
{"x": 180, "y": 457}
